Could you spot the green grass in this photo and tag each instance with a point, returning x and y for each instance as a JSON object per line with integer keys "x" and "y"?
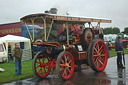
{"x": 9, "y": 73}
{"x": 113, "y": 52}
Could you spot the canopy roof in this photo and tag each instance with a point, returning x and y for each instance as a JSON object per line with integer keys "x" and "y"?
{"x": 13, "y": 38}
{"x": 63, "y": 18}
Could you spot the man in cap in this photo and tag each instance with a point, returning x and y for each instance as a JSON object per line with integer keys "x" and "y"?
{"x": 17, "y": 53}
{"x": 119, "y": 48}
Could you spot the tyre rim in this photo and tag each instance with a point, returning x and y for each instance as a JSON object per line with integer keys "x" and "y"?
{"x": 100, "y": 55}
{"x": 66, "y": 65}
{"x": 42, "y": 65}
{"x": 88, "y": 36}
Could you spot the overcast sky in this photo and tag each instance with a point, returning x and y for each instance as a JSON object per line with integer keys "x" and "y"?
{"x": 116, "y": 10}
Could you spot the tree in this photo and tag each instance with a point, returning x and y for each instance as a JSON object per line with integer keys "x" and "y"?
{"x": 116, "y": 30}
{"x": 126, "y": 30}
{"x": 108, "y": 30}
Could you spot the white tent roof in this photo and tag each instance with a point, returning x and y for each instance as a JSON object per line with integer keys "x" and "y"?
{"x": 13, "y": 38}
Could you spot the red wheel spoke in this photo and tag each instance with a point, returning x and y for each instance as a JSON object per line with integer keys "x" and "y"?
{"x": 100, "y": 51}
{"x": 61, "y": 69}
{"x": 38, "y": 66}
{"x": 100, "y": 61}
{"x": 65, "y": 72}
{"x": 43, "y": 59}
{"x": 47, "y": 64}
{"x": 38, "y": 62}
{"x": 97, "y": 46}
{"x": 102, "y": 54}
{"x": 95, "y": 55}
{"x": 95, "y": 61}
{"x": 95, "y": 50}
{"x": 69, "y": 66}
{"x": 44, "y": 70}
{"x": 62, "y": 65}
{"x": 69, "y": 70}
{"x": 69, "y": 62}
{"x": 100, "y": 48}
{"x": 100, "y": 58}
{"x": 62, "y": 60}
{"x": 65, "y": 59}
{"x": 39, "y": 70}
{"x": 46, "y": 67}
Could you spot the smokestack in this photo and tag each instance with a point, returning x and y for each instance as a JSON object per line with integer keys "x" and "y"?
{"x": 53, "y": 10}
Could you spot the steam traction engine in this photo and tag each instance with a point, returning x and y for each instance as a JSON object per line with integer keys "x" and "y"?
{"x": 68, "y": 44}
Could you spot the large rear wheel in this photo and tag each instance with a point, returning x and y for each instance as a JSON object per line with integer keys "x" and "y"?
{"x": 41, "y": 65}
{"x": 97, "y": 55}
{"x": 87, "y": 37}
{"x": 65, "y": 65}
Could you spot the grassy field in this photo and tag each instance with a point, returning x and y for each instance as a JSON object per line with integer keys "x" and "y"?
{"x": 113, "y": 52}
{"x": 9, "y": 74}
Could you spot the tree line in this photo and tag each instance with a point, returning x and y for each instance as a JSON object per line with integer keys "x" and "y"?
{"x": 114, "y": 30}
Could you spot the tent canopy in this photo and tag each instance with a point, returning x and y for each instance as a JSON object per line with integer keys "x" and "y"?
{"x": 13, "y": 38}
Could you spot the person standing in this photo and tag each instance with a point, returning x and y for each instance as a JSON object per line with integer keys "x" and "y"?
{"x": 17, "y": 53}
{"x": 119, "y": 48}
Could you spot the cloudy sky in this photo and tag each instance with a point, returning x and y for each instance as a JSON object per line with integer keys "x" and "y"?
{"x": 116, "y": 10}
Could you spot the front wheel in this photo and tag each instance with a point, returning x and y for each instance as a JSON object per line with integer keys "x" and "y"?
{"x": 41, "y": 65}
{"x": 65, "y": 65}
{"x": 97, "y": 55}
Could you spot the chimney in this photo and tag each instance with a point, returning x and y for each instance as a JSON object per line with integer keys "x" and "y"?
{"x": 53, "y": 10}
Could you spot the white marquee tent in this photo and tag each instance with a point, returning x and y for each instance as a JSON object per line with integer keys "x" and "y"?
{"x": 13, "y": 39}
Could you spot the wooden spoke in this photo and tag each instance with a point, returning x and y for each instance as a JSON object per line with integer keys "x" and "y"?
{"x": 43, "y": 59}
{"x": 61, "y": 69}
{"x": 95, "y": 55}
{"x": 65, "y": 72}
{"x": 44, "y": 70}
{"x": 69, "y": 62}
{"x": 97, "y": 46}
{"x": 100, "y": 48}
{"x": 38, "y": 62}
{"x": 62, "y": 65}
{"x": 102, "y": 54}
{"x": 100, "y": 61}
{"x": 95, "y": 50}
{"x": 62, "y": 60}
{"x": 69, "y": 70}
{"x": 46, "y": 67}
{"x": 65, "y": 59}
{"x": 95, "y": 61}
{"x": 38, "y": 66}
{"x": 39, "y": 70}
